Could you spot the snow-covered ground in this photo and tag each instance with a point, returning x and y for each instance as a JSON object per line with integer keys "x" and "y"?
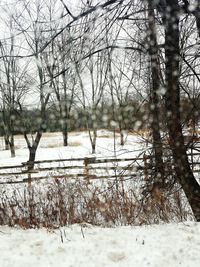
{"x": 79, "y": 146}
{"x": 51, "y": 148}
{"x": 85, "y": 245}
{"x": 157, "y": 245}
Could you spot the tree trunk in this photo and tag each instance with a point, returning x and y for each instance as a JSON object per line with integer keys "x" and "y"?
{"x": 122, "y": 142}
{"x": 65, "y": 138}
{"x": 182, "y": 167}
{"x": 6, "y": 141}
{"x": 65, "y": 132}
{"x": 12, "y": 146}
{"x": 121, "y": 132}
{"x": 32, "y": 149}
{"x": 93, "y": 147}
{"x": 94, "y": 141}
{"x": 197, "y": 15}
{"x": 154, "y": 99}
{"x": 32, "y": 155}
{"x": 93, "y": 138}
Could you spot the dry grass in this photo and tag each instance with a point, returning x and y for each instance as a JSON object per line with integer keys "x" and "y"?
{"x": 60, "y": 144}
{"x": 62, "y": 202}
{"x": 106, "y": 135}
{"x": 142, "y": 132}
{"x": 52, "y": 134}
{"x": 51, "y": 145}
{"x": 77, "y": 133}
{"x": 75, "y": 143}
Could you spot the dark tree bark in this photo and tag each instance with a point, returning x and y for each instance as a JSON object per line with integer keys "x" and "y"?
{"x": 12, "y": 146}
{"x": 32, "y": 149}
{"x": 121, "y": 120}
{"x": 10, "y": 143}
{"x": 8, "y": 127}
{"x": 93, "y": 136}
{"x": 65, "y": 111}
{"x": 65, "y": 135}
{"x": 6, "y": 141}
{"x": 183, "y": 171}
{"x": 197, "y": 16}
{"x": 122, "y": 141}
{"x": 154, "y": 98}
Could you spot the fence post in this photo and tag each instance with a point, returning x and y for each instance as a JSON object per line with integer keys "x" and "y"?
{"x": 87, "y": 161}
{"x": 86, "y": 170}
{"x": 29, "y": 174}
{"x": 29, "y": 179}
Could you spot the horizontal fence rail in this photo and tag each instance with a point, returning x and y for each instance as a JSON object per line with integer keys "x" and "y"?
{"x": 88, "y": 168}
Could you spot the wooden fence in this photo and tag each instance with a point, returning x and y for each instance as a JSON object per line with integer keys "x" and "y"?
{"x": 88, "y": 168}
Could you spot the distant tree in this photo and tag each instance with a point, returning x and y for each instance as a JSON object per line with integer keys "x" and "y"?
{"x": 60, "y": 59}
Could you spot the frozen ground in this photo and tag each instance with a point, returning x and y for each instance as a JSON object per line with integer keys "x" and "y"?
{"x": 158, "y": 245}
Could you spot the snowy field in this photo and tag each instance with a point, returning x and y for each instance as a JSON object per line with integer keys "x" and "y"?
{"x": 51, "y": 148}
{"x": 157, "y": 245}
{"x": 79, "y": 146}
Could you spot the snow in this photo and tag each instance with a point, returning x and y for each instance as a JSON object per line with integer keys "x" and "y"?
{"x": 85, "y": 245}
{"x": 51, "y": 147}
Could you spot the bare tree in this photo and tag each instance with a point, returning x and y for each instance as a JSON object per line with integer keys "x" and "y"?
{"x": 96, "y": 68}
{"x": 57, "y": 60}
{"x": 35, "y": 41}
{"x": 184, "y": 175}
{"x": 155, "y": 87}
{"x": 13, "y": 86}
